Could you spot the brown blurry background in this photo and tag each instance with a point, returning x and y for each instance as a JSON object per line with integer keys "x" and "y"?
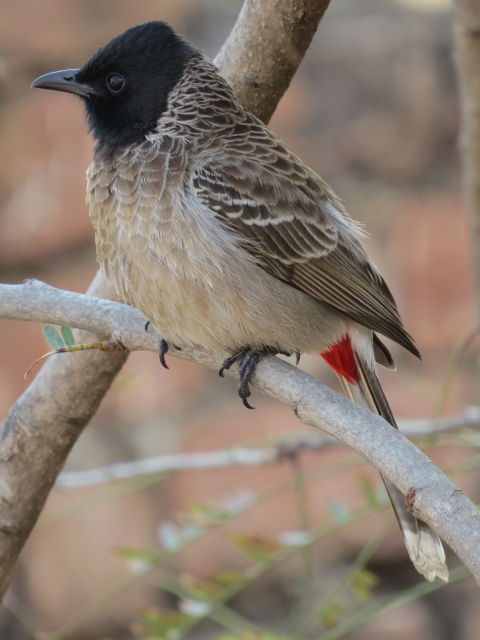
{"x": 374, "y": 110}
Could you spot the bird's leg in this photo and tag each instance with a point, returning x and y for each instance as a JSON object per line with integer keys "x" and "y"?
{"x": 162, "y": 350}
{"x": 248, "y": 359}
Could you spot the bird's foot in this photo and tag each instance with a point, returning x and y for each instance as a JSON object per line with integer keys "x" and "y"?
{"x": 247, "y": 359}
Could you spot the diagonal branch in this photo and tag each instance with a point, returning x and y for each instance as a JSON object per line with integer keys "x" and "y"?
{"x": 40, "y": 430}
{"x": 291, "y": 26}
{"x": 434, "y": 497}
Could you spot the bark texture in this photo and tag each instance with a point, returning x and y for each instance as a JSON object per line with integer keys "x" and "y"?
{"x": 467, "y": 54}
{"x": 245, "y": 60}
{"x": 44, "y": 424}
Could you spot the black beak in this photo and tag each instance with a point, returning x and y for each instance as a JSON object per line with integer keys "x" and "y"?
{"x": 64, "y": 81}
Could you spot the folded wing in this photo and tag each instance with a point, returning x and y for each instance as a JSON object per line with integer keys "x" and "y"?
{"x": 296, "y": 227}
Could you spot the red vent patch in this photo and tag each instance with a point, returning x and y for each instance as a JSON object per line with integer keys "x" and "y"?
{"x": 341, "y": 358}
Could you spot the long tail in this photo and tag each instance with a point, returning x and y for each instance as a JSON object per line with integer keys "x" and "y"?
{"x": 361, "y": 383}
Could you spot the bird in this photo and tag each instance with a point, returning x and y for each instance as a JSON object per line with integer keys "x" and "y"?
{"x": 222, "y": 237}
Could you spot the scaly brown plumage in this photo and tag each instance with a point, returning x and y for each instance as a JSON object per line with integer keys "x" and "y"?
{"x": 221, "y": 236}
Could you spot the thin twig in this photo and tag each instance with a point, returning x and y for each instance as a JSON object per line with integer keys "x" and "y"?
{"x": 248, "y": 456}
{"x": 238, "y": 456}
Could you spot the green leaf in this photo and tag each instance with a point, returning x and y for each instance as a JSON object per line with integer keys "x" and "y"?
{"x": 139, "y": 560}
{"x": 228, "y": 578}
{"x": 331, "y": 614}
{"x": 68, "y": 336}
{"x": 170, "y": 624}
{"x": 201, "y": 589}
{"x": 254, "y": 547}
{"x": 363, "y": 581}
{"x": 52, "y": 336}
{"x": 208, "y": 515}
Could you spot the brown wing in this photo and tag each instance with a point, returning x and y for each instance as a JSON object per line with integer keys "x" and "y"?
{"x": 297, "y": 229}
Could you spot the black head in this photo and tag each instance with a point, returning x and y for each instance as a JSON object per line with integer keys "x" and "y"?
{"x": 125, "y": 85}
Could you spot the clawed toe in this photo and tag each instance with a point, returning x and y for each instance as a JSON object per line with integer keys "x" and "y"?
{"x": 248, "y": 359}
{"x": 227, "y": 364}
{"x": 244, "y": 393}
{"x": 162, "y": 350}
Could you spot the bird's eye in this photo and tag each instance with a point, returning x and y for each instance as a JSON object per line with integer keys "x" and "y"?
{"x": 115, "y": 83}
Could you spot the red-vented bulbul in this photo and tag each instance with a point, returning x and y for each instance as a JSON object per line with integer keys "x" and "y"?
{"x": 221, "y": 236}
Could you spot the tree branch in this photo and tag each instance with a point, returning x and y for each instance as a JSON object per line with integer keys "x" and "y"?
{"x": 249, "y": 456}
{"x": 467, "y": 55}
{"x": 290, "y": 26}
{"x": 237, "y": 456}
{"x": 436, "y": 499}
{"x": 38, "y": 433}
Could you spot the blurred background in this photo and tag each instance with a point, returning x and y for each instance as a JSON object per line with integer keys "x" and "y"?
{"x": 304, "y": 546}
